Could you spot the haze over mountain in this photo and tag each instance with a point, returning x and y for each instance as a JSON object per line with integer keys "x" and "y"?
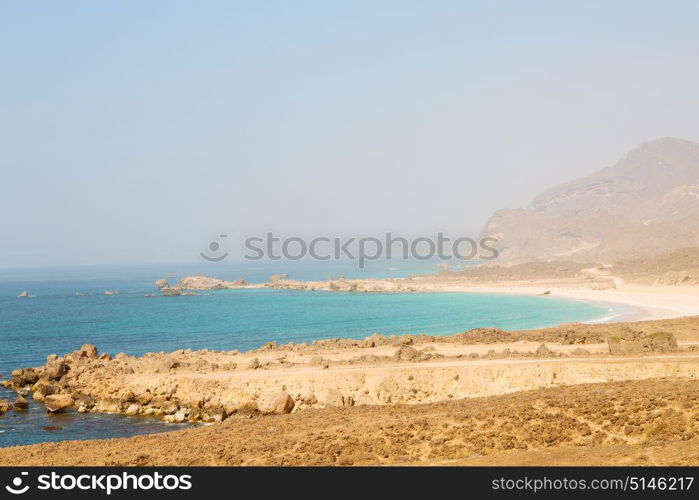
{"x": 646, "y": 203}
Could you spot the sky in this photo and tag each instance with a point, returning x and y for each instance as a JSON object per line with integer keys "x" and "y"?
{"x": 137, "y": 131}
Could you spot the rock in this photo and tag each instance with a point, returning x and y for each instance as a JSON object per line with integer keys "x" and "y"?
{"x": 275, "y": 402}
{"x": 277, "y": 277}
{"x": 87, "y": 351}
{"x": 214, "y": 415}
{"x": 180, "y": 416}
{"x": 407, "y": 353}
{"x": 56, "y": 369}
{"x": 58, "y": 402}
{"x": 83, "y": 400}
{"x": 105, "y": 357}
{"x": 333, "y": 397}
{"x": 107, "y": 406}
{"x": 254, "y": 364}
{"x": 52, "y": 427}
{"x": 23, "y": 377}
{"x": 133, "y": 409}
{"x": 4, "y": 406}
{"x": 171, "y": 291}
{"x": 24, "y": 294}
{"x": 631, "y": 342}
{"x": 43, "y": 389}
{"x": 169, "y": 407}
{"x": 161, "y": 283}
{"x": 544, "y": 352}
{"x": 20, "y": 403}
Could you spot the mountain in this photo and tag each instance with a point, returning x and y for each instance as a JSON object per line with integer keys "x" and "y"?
{"x": 646, "y": 203}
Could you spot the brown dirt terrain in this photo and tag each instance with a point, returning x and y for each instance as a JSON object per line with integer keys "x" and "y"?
{"x": 642, "y": 422}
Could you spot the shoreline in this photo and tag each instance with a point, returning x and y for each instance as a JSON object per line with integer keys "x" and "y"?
{"x": 646, "y": 302}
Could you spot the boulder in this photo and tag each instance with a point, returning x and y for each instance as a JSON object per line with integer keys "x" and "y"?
{"x": 24, "y": 377}
{"x": 171, "y": 291}
{"x": 275, "y": 402}
{"x": 407, "y": 353}
{"x": 56, "y": 368}
{"x": 58, "y": 402}
{"x": 333, "y": 397}
{"x": 20, "y": 403}
{"x": 107, "y": 406}
{"x": 132, "y": 409}
{"x": 180, "y": 416}
{"x": 83, "y": 400}
{"x": 4, "y": 406}
{"x": 161, "y": 283}
{"x": 24, "y": 294}
{"x": 88, "y": 351}
{"x": 43, "y": 389}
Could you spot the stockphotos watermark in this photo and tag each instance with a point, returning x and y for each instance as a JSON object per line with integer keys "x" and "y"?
{"x": 359, "y": 249}
{"x": 106, "y": 483}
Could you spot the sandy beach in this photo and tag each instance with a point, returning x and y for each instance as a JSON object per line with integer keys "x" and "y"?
{"x": 646, "y": 302}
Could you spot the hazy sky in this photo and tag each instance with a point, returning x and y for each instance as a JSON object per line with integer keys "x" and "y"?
{"x": 135, "y": 131}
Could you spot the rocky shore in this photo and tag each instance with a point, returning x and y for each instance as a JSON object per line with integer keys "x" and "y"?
{"x": 212, "y": 386}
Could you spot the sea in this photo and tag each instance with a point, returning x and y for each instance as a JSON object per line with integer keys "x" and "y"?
{"x": 67, "y": 307}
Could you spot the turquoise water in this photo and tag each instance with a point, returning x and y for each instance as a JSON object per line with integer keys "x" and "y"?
{"x": 55, "y": 320}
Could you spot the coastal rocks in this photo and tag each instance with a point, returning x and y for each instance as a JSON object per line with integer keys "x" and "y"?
{"x": 87, "y": 351}
{"x": 132, "y": 409}
{"x": 20, "y": 403}
{"x": 161, "y": 283}
{"x": 44, "y": 389}
{"x": 55, "y": 367}
{"x": 178, "y": 417}
{"x": 24, "y": 294}
{"x": 84, "y": 402}
{"x": 171, "y": 291}
{"x": 107, "y": 406}
{"x": 4, "y": 406}
{"x": 275, "y": 403}
{"x": 23, "y": 377}
{"x": 58, "y": 402}
{"x": 207, "y": 283}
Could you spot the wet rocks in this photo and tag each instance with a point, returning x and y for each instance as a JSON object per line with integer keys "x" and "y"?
{"x": 44, "y": 389}
{"x": 20, "y": 403}
{"x": 4, "y": 406}
{"x": 58, "y": 402}
{"x": 132, "y": 409}
{"x": 24, "y": 294}
{"x": 23, "y": 377}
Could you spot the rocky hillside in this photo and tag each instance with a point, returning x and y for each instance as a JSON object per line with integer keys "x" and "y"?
{"x": 646, "y": 203}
